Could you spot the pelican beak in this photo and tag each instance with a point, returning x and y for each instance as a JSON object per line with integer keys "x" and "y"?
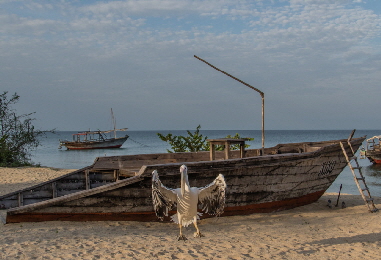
{"x": 183, "y": 171}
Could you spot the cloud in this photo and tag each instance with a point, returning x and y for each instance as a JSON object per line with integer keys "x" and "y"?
{"x": 83, "y": 57}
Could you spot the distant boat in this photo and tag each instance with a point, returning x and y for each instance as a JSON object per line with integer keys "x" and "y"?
{"x": 373, "y": 149}
{"x": 95, "y": 139}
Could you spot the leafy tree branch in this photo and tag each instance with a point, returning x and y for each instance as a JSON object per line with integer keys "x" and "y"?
{"x": 18, "y": 135}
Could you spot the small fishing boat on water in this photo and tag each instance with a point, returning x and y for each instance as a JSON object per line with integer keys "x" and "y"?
{"x": 95, "y": 139}
{"x": 373, "y": 149}
{"x": 120, "y": 187}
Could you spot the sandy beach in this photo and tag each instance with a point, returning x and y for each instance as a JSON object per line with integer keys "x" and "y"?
{"x": 313, "y": 231}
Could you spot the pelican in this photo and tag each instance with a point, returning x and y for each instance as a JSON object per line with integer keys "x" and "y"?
{"x": 211, "y": 197}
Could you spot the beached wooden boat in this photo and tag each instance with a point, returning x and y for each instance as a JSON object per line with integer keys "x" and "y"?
{"x": 119, "y": 187}
{"x": 373, "y": 149}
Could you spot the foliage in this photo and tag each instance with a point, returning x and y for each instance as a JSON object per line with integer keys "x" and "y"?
{"x": 18, "y": 136}
{"x": 195, "y": 142}
{"x": 192, "y": 143}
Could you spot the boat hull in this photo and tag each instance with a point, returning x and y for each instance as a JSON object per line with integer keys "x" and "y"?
{"x": 293, "y": 175}
{"x": 106, "y": 144}
{"x": 376, "y": 159}
{"x": 151, "y": 216}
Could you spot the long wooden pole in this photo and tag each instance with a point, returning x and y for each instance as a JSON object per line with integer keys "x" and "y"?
{"x": 260, "y": 92}
{"x": 338, "y": 197}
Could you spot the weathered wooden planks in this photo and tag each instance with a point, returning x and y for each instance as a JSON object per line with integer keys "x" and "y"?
{"x": 292, "y": 175}
{"x": 73, "y": 196}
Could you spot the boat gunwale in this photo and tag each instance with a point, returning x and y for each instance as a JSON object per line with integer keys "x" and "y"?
{"x": 267, "y": 157}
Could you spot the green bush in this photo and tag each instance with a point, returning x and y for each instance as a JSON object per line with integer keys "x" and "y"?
{"x": 195, "y": 142}
{"x": 192, "y": 143}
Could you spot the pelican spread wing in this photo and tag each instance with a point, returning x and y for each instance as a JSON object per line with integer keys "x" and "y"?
{"x": 212, "y": 196}
{"x": 163, "y": 198}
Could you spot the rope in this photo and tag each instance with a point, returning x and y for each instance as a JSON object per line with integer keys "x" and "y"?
{"x": 138, "y": 142}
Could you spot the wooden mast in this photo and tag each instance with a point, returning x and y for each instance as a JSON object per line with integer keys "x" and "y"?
{"x": 260, "y": 92}
{"x": 113, "y": 122}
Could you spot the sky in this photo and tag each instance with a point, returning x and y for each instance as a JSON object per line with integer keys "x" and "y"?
{"x": 318, "y": 63}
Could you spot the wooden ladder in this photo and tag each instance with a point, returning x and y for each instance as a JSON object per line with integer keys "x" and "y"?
{"x": 360, "y": 177}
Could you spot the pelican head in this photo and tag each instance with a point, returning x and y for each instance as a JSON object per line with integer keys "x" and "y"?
{"x": 184, "y": 178}
{"x": 183, "y": 168}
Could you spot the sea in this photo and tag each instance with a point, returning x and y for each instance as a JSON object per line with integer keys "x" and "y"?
{"x": 146, "y": 142}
